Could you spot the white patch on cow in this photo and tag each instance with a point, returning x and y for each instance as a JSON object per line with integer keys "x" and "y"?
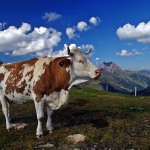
{"x": 25, "y": 78}
{"x": 56, "y": 99}
{"x": 39, "y": 106}
{"x": 19, "y": 98}
{"x": 40, "y": 69}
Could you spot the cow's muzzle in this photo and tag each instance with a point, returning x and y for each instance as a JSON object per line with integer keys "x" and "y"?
{"x": 97, "y": 73}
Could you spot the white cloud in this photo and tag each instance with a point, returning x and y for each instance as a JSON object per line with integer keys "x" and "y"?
{"x": 51, "y": 16}
{"x": 64, "y": 52}
{"x": 144, "y": 40}
{"x": 71, "y": 32}
{"x": 97, "y": 58}
{"x": 74, "y": 31}
{"x": 140, "y": 33}
{"x": 23, "y": 40}
{"x": 82, "y": 26}
{"x": 72, "y": 46}
{"x": 87, "y": 46}
{"x": 95, "y": 20}
{"x": 135, "y": 52}
{"x": 44, "y": 53}
{"x": 126, "y": 53}
{"x": 97, "y": 61}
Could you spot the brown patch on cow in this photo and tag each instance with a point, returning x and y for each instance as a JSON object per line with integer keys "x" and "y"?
{"x": 1, "y": 77}
{"x": 16, "y": 74}
{"x": 30, "y": 74}
{"x": 21, "y": 88}
{"x": 32, "y": 62}
{"x": 55, "y": 78}
{"x": 14, "y": 77}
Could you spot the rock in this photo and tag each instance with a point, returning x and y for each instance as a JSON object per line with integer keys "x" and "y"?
{"x": 42, "y": 144}
{"x": 19, "y": 126}
{"x": 45, "y": 145}
{"x": 76, "y": 138}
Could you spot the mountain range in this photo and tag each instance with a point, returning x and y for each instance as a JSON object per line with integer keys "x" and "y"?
{"x": 114, "y": 79}
{"x": 145, "y": 73}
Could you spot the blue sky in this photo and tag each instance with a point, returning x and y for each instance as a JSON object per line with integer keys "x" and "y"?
{"x": 118, "y": 31}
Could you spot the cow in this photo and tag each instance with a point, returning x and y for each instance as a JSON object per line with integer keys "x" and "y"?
{"x": 45, "y": 81}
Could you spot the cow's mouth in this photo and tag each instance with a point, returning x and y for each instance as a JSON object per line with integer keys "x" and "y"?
{"x": 97, "y": 77}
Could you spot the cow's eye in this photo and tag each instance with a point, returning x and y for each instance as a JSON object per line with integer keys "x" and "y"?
{"x": 80, "y": 61}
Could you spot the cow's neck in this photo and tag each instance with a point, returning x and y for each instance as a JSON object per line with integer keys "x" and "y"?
{"x": 74, "y": 81}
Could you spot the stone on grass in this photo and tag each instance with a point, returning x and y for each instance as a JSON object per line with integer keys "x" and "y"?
{"x": 76, "y": 138}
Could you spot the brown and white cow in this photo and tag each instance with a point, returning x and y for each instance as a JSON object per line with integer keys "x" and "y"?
{"x": 45, "y": 80}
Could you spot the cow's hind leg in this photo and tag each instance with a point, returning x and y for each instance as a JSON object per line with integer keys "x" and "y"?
{"x": 49, "y": 120}
{"x": 39, "y": 106}
{"x": 5, "y": 108}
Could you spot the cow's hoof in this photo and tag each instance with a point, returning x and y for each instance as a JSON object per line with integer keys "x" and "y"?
{"x": 39, "y": 136}
{"x": 50, "y": 131}
{"x": 10, "y": 129}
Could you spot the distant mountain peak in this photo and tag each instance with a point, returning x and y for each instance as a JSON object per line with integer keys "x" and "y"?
{"x": 144, "y": 72}
{"x": 110, "y": 67}
{"x": 108, "y": 63}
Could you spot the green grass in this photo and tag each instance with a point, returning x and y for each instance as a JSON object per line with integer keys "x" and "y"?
{"x": 108, "y": 120}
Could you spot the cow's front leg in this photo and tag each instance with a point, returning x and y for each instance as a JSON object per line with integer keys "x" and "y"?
{"x": 39, "y": 106}
{"x": 5, "y": 108}
{"x": 49, "y": 120}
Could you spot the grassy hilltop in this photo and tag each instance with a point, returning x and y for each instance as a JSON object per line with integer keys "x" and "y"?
{"x": 109, "y": 121}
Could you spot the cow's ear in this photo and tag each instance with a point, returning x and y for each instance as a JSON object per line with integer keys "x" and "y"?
{"x": 65, "y": 63}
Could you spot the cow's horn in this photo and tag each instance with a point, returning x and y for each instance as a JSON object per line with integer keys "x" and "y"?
{"x": 88, "y": 51}
{"x": 68, "y": 49}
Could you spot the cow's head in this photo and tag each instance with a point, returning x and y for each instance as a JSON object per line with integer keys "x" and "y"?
{"x": 81, "y": 66}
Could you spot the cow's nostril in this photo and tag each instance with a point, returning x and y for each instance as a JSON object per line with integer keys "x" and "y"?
{"x": 97, "y": 72}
